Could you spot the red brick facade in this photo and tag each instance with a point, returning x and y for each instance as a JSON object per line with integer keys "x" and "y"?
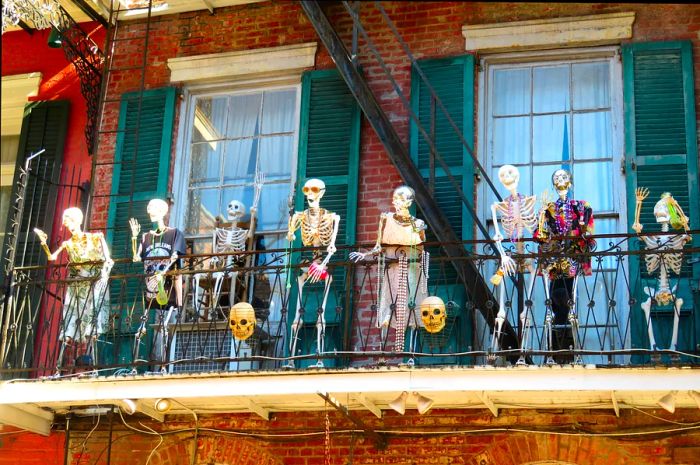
{"x": 516, "y": 437}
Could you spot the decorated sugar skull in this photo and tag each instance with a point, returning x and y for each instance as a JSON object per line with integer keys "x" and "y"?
{"x": 561, "y": 180}
{"x": 313, "y": 190}
{"x": 403, "y": 198}
{"x": 235, "y": 210}
{"x": 509, "y": 176}
{"x": 432, "y": 312}
{"x": 242, "y": 321}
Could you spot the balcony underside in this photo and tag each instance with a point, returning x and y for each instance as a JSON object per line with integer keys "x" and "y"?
{"x": 264, "y": 393}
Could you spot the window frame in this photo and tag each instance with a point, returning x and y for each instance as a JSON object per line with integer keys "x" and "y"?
{"x": 549, "y": 58}
{"x": 183, "y": 159}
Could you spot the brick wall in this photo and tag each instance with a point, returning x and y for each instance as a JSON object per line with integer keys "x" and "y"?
{"x": 503, "y": 442}
{"x": 431, "y": 29}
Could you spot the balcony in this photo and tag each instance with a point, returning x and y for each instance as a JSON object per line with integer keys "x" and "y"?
{"x": 188, "y": 352}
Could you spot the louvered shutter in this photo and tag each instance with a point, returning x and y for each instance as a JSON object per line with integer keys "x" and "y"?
{"x": 329, "y": 139}
{"x": 453, "y": 81}
{"x": 44, "y": 127}
{"x": 141, "y": 171}
{"x": 661, "y": 155}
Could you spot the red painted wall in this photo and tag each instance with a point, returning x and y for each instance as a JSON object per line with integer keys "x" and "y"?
{"x": 24, "y": 53}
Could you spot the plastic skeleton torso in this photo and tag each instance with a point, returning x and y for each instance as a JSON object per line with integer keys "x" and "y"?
{"x": 316, "y": 227}
{"x": 664, "y": 262}
{"x": 517, "y": 215}
{"x": 231, "y": 240}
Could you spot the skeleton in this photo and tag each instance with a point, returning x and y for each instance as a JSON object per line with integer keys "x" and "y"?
{"x": 157, "y": 210}
{"x": 86, "y": 303}
{"x": 230, "y": 240}
{"x": 563, "y": 217}
{"x": 400, "y": 238}
{"x": 242, "y": 321}
{"x": 667, "y": 211}
{"x": 517, "y": 214}
{"x": 319, "y": 228}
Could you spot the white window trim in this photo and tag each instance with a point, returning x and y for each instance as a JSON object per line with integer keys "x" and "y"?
{"x": 564, "y": 55}
{"x": 16, "y": 90}
{"x": 244, "y": 65}
{"x": 549, "y": 33}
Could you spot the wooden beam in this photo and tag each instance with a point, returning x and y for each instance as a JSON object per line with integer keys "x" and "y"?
{"x": 488, "y": 402}
{"x": 380, "y": 441}
{"x": 27, "y": 417}
{"x": 255, "y": 408}
{"x": 368, "y": 404}
{"x": 616, "y": 406}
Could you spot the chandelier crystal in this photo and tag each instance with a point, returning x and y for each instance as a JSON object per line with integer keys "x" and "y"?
{"x": 39, "y": 13}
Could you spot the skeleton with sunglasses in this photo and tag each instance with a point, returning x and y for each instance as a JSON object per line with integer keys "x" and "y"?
{"x": 319, "y": 228}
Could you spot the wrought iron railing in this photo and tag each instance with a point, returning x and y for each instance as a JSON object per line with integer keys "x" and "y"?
{"x": 115, "y": 330}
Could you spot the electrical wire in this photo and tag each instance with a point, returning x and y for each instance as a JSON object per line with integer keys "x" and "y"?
{"x": 83, "y": 446}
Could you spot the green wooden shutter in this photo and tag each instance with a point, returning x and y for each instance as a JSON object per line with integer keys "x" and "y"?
{"x": 44, "y": 127}
{"x": 453, "y": 81}
{"x": 329, "y": 140}
{"x": 661, "y": 155}
{"x": 141, "y": 172}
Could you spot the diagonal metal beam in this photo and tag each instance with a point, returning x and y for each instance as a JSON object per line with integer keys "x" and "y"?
{"x": 380, "y": 440}
{"x": 398, "y": 154}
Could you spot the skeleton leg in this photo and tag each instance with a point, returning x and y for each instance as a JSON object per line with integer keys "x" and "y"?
{"x": 573, "y": 319}
{"x": 165, "y": 338}
{"x": 321, "y": 321}
{"x": 216, "y": 291}
{"x": 500, "y": 318}
{"x": 646, "y": 306}
{"x": 138, "y": 335}
{"x": 197, "y": 302}
{"x": 547, "y": 319}
{"x": 676, "y": 317}
{"x": 298, "y": 321}
{"x": 525, "y": 319}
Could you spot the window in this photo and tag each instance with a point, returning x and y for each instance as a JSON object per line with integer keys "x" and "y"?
{"x": 551, "y": 111}
{"x": 231, "y": 136}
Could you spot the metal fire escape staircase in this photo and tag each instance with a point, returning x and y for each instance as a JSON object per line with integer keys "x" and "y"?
{"x": 474, "y": 283}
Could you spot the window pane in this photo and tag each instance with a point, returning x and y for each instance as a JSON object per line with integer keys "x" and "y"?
{"x": 209, "y": 118}
{"x": 605, "y": 226}
{"x": 206, "y": 162}
{"x": 593, "y": 182}
{"x": 278, "y": 111}
{"x": 244, "y": 118}
{"x": 511, "y": 140}
{"x": 551, "y": 89}
{"x": 202, "y": 208}
{"x": 274, "y": 208}
{"x": 511, "y": 91}
{"x": 550, "y": 138}
{"x": 276, "y": 157}
{"x": 591, "y": 86}
{"x": 592, "y": 135}
{"x": 239, "y": 163}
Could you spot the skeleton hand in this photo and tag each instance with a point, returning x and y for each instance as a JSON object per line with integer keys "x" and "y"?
{"x": 317, "y": 272}
{"x": 135, "y": 227}
{"x": 637, "y": 227}
{"x": 507, "y": 265}
{"x": 42, "y": 235}
{"x": 291, "y": 236}
{"x": 641, "y": 193}
{"x": 357, "y": 256}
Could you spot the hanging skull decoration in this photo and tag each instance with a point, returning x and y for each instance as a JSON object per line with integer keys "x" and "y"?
{"x": 242, "y": 321}
{"x": 432, "y": 312}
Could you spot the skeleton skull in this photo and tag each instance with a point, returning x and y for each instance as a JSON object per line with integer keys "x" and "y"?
{"x": 561, "y": 180}
{"x": 313, "y": 190}
{"x": 242, "y": 321}
{"x": 235, "y": 210}
{"x": 432, "y": 312}
{"x": 509, "y": 176}
{"x": 403, "y": 198}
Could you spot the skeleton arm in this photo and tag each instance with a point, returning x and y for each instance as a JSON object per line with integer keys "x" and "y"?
{"x": 357, "y": 256}
{"x": 42, "y": 239}
{"x": 331, "y": 247}
{"x": 293, "y": 224}
{"x": 108, "y": 262}
{"x": 507, "y": 263}
{"x": 135, "y": 229}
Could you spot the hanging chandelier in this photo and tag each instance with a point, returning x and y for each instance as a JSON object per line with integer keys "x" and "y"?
{"x": 39, "y": 13}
